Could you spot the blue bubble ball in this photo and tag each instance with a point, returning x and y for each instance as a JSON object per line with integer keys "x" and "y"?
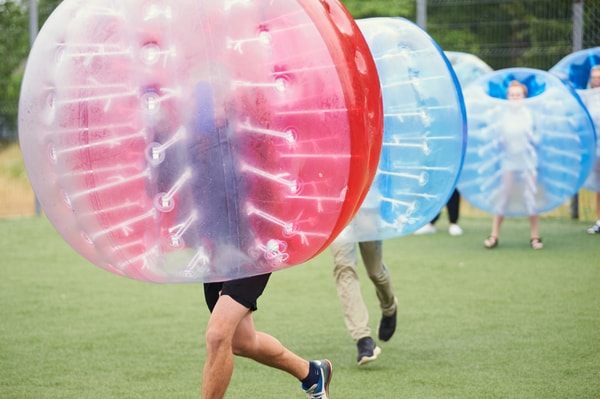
{"x": 543, "y": 165}
{"x": 575, "y": 69}
{"x": 424, "y": 138}
{"x": 468, "y": 67}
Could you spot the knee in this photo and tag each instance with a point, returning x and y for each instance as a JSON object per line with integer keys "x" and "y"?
{"x": 344, "y": 271}
{"x": 379, "y": 275}
{"x": 217, "y": 340}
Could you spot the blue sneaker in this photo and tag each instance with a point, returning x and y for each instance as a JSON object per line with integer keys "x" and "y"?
{"x": 320, "y": 390}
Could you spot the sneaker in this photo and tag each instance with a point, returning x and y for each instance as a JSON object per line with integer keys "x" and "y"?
{"x": 427, "y": 229}
{"x": 387, "y": 326}
{"x": 320, "y": 390}
{"x": 455, "y": 230}
{"x": 595, "y": 229}
{"x": 367, "y": 350}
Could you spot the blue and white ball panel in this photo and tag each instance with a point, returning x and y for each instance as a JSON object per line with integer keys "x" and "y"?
{"x": 560, "y": 151}
{"x": 468, "y": 67}
{"x": 424, "y": 132}
{"x": 591, "y": 99}
{"x": 575, "y": 69}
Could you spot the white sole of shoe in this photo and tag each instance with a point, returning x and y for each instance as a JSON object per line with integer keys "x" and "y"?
{"x": 368, "y": 359}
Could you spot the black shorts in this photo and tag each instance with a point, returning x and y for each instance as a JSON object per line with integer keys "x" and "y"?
{"x": 245, "y": 291}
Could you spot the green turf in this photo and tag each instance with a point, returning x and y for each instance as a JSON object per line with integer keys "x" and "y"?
{"x": 473, "y": 323}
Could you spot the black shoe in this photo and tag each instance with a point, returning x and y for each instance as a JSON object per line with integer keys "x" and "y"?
{"x": 387, "y": 326}
{"x": 367, "y": 350}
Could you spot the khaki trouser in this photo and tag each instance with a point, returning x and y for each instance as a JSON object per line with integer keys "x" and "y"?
{"x": 356, "y": 315}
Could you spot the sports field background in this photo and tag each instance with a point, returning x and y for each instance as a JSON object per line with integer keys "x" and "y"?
{"x": 472, "y": 323}
{"x": 17, "y": 198}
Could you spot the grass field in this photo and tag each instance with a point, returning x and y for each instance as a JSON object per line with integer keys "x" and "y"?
{"x": 473, "y": 323}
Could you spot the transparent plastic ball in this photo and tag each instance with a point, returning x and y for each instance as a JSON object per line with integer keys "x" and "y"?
{"x": 424, "y": 134}
{"x": 575, "y": 69}
{"x": 527, "y": 156}
{"x": 197, "y": 141}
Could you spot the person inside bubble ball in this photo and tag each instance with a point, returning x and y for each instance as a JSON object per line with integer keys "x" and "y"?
{"x": 518, "y": 139}
{"x": 356, "y": 314}
{"x": 595, "y": 84}
{"x": 230, "y": 330}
